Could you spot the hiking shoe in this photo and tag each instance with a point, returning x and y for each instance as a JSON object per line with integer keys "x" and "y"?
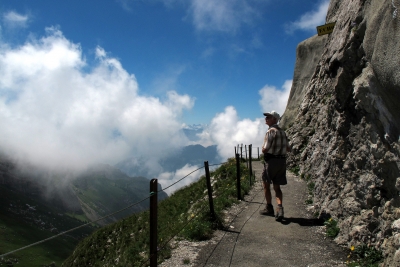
{"x": 279, "y": 214}
{"x": 269, "y": 210}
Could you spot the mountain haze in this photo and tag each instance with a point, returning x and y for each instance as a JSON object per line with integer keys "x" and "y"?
{"x": 94, "y": 193}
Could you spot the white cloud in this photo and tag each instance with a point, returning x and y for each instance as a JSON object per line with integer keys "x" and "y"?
{"x": 57, "y": 113}
{"x": 187, "y": 174}
{"x": 310, "y": 20}
{"x": 13, "y": 19}
{"x": 227, "y": 131}
{"x": 275, "y": 99}
{"x": 223, "y": 15}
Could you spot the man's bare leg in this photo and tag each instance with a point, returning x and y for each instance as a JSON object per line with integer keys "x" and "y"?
{"x": 269, "y": 209}
{"x": 278, "y": 194}
{"x": 267, "y": 192}
{"x": 279, "y": 197}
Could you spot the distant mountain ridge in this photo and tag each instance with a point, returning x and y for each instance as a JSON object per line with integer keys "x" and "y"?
{"x": 192, "y": 131}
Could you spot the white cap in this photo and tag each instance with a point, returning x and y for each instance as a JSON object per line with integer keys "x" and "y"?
{"x": 273, "y": 114}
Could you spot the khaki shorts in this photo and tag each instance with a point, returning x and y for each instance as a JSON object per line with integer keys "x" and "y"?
{"x": 275, "y": 171}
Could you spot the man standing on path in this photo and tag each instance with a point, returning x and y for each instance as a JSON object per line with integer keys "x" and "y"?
{"x": 275, "y": 147}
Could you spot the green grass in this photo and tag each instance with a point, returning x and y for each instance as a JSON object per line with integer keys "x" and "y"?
{"x": 185, "y": 214}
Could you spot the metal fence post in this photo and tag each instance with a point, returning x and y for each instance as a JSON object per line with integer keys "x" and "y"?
{"x": 153, "y": 223}
{"x": 209, "y": 189}
{"x": 238, "y": 177}
{"x": 250, "y": 163}
{"x": 245, "y": 152}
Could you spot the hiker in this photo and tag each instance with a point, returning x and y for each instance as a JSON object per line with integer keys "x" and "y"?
{"x": 274, "y": 148}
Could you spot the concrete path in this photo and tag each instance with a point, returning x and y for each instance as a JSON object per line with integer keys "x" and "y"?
{"x": 257, "y": 240}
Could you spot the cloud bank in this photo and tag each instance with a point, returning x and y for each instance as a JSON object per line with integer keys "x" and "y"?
{"x": 310, "y": 20}
{"x": 56, "y": 111}
{"x": 275, "y": 99}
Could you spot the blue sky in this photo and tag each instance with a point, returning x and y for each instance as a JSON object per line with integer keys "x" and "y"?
{"x": 124, "y": 72}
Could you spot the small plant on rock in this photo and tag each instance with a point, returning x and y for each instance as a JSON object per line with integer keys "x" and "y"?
{"x": 295, "y": 170}
{"x": 310, "y": 187}
{"x": 364, "y": 256}
{"x": 331, "y": 228}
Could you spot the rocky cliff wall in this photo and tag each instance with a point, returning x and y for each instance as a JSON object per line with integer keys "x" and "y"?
{"x": 344, "y": 123}
{"x": 308, "y": 54}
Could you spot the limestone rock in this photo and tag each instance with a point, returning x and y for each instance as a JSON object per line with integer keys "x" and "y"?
{"x": 343, "y": 120}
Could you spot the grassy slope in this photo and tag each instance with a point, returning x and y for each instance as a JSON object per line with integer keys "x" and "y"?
{"x": 186, "y": 212}
{"x": 20, "y": 226}
{"x": 106, "y": 190}
{"x": 106, "y": 195}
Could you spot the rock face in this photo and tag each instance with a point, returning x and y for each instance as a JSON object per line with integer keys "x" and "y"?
{"x": 308, "y": 55}
{"x": 343, "y": 120}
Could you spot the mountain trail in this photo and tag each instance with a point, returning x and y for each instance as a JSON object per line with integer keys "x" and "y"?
{"x": 257, "y": 240}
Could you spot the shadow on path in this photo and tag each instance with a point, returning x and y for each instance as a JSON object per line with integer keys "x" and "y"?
{"x": 303, "y": 221}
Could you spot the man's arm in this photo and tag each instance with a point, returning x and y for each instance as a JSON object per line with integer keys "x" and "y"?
{"x": 269, "y": 137}
{"x": 264, "y": 150}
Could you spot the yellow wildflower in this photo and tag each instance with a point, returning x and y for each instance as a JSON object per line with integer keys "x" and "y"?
{"x": 352, "y": 248}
